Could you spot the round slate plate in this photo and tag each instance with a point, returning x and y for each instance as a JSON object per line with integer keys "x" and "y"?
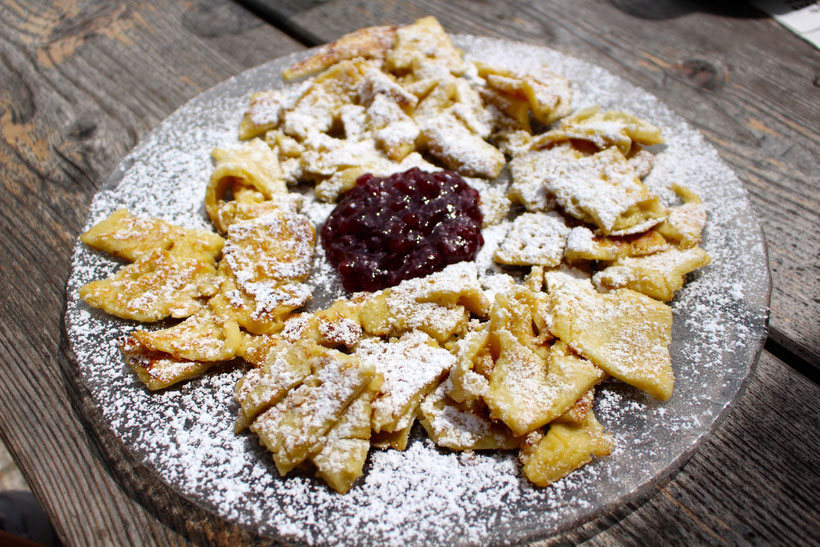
{"x": 425, "y": 494}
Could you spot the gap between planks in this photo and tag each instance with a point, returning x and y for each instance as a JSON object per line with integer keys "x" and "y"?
{"x": 796, "y": 362}
{"x": 279, "y": 16}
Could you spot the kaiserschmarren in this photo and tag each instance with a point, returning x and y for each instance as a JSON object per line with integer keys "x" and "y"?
{"x": 498, "y": 357}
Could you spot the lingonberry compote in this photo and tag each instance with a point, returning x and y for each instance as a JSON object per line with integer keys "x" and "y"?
{"x": 407, "y": 225}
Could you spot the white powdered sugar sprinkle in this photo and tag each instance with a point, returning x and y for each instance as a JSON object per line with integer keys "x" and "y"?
{"x": 424, "y": 494}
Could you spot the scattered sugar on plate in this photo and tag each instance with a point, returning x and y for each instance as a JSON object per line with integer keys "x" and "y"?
{"x": 424, "y": 494}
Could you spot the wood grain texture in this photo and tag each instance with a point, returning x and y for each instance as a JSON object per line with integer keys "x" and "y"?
{"x": 743, "y": 80}
{"x": 83, "y": 81}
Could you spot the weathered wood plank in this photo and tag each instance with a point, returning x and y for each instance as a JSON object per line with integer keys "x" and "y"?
{"x": 65, "y": 124}
{"x": 746, "y": 82}
{"x": 83, "y": 81}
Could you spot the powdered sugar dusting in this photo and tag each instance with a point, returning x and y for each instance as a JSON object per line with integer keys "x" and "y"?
{"x": 408, "y": 366}
{"x": 424, "y": 494}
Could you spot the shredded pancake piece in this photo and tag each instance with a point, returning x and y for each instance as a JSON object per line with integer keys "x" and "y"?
{"x": 157, "y": 285}
{"x": 535, "y": 239}
{"x": 658, "y": 275}
{"x": 624, "y": 332}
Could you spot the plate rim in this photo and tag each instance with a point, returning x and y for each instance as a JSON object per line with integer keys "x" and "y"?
{"x": 642, "y": 491}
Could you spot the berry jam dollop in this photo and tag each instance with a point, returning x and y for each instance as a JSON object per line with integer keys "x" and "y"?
{"x": 407, "y": 225}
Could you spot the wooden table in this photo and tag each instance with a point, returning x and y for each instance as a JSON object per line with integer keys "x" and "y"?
{"x": 84, "y": 80}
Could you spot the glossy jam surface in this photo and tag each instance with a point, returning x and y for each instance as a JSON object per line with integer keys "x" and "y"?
{"x": 407, "y": 225}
